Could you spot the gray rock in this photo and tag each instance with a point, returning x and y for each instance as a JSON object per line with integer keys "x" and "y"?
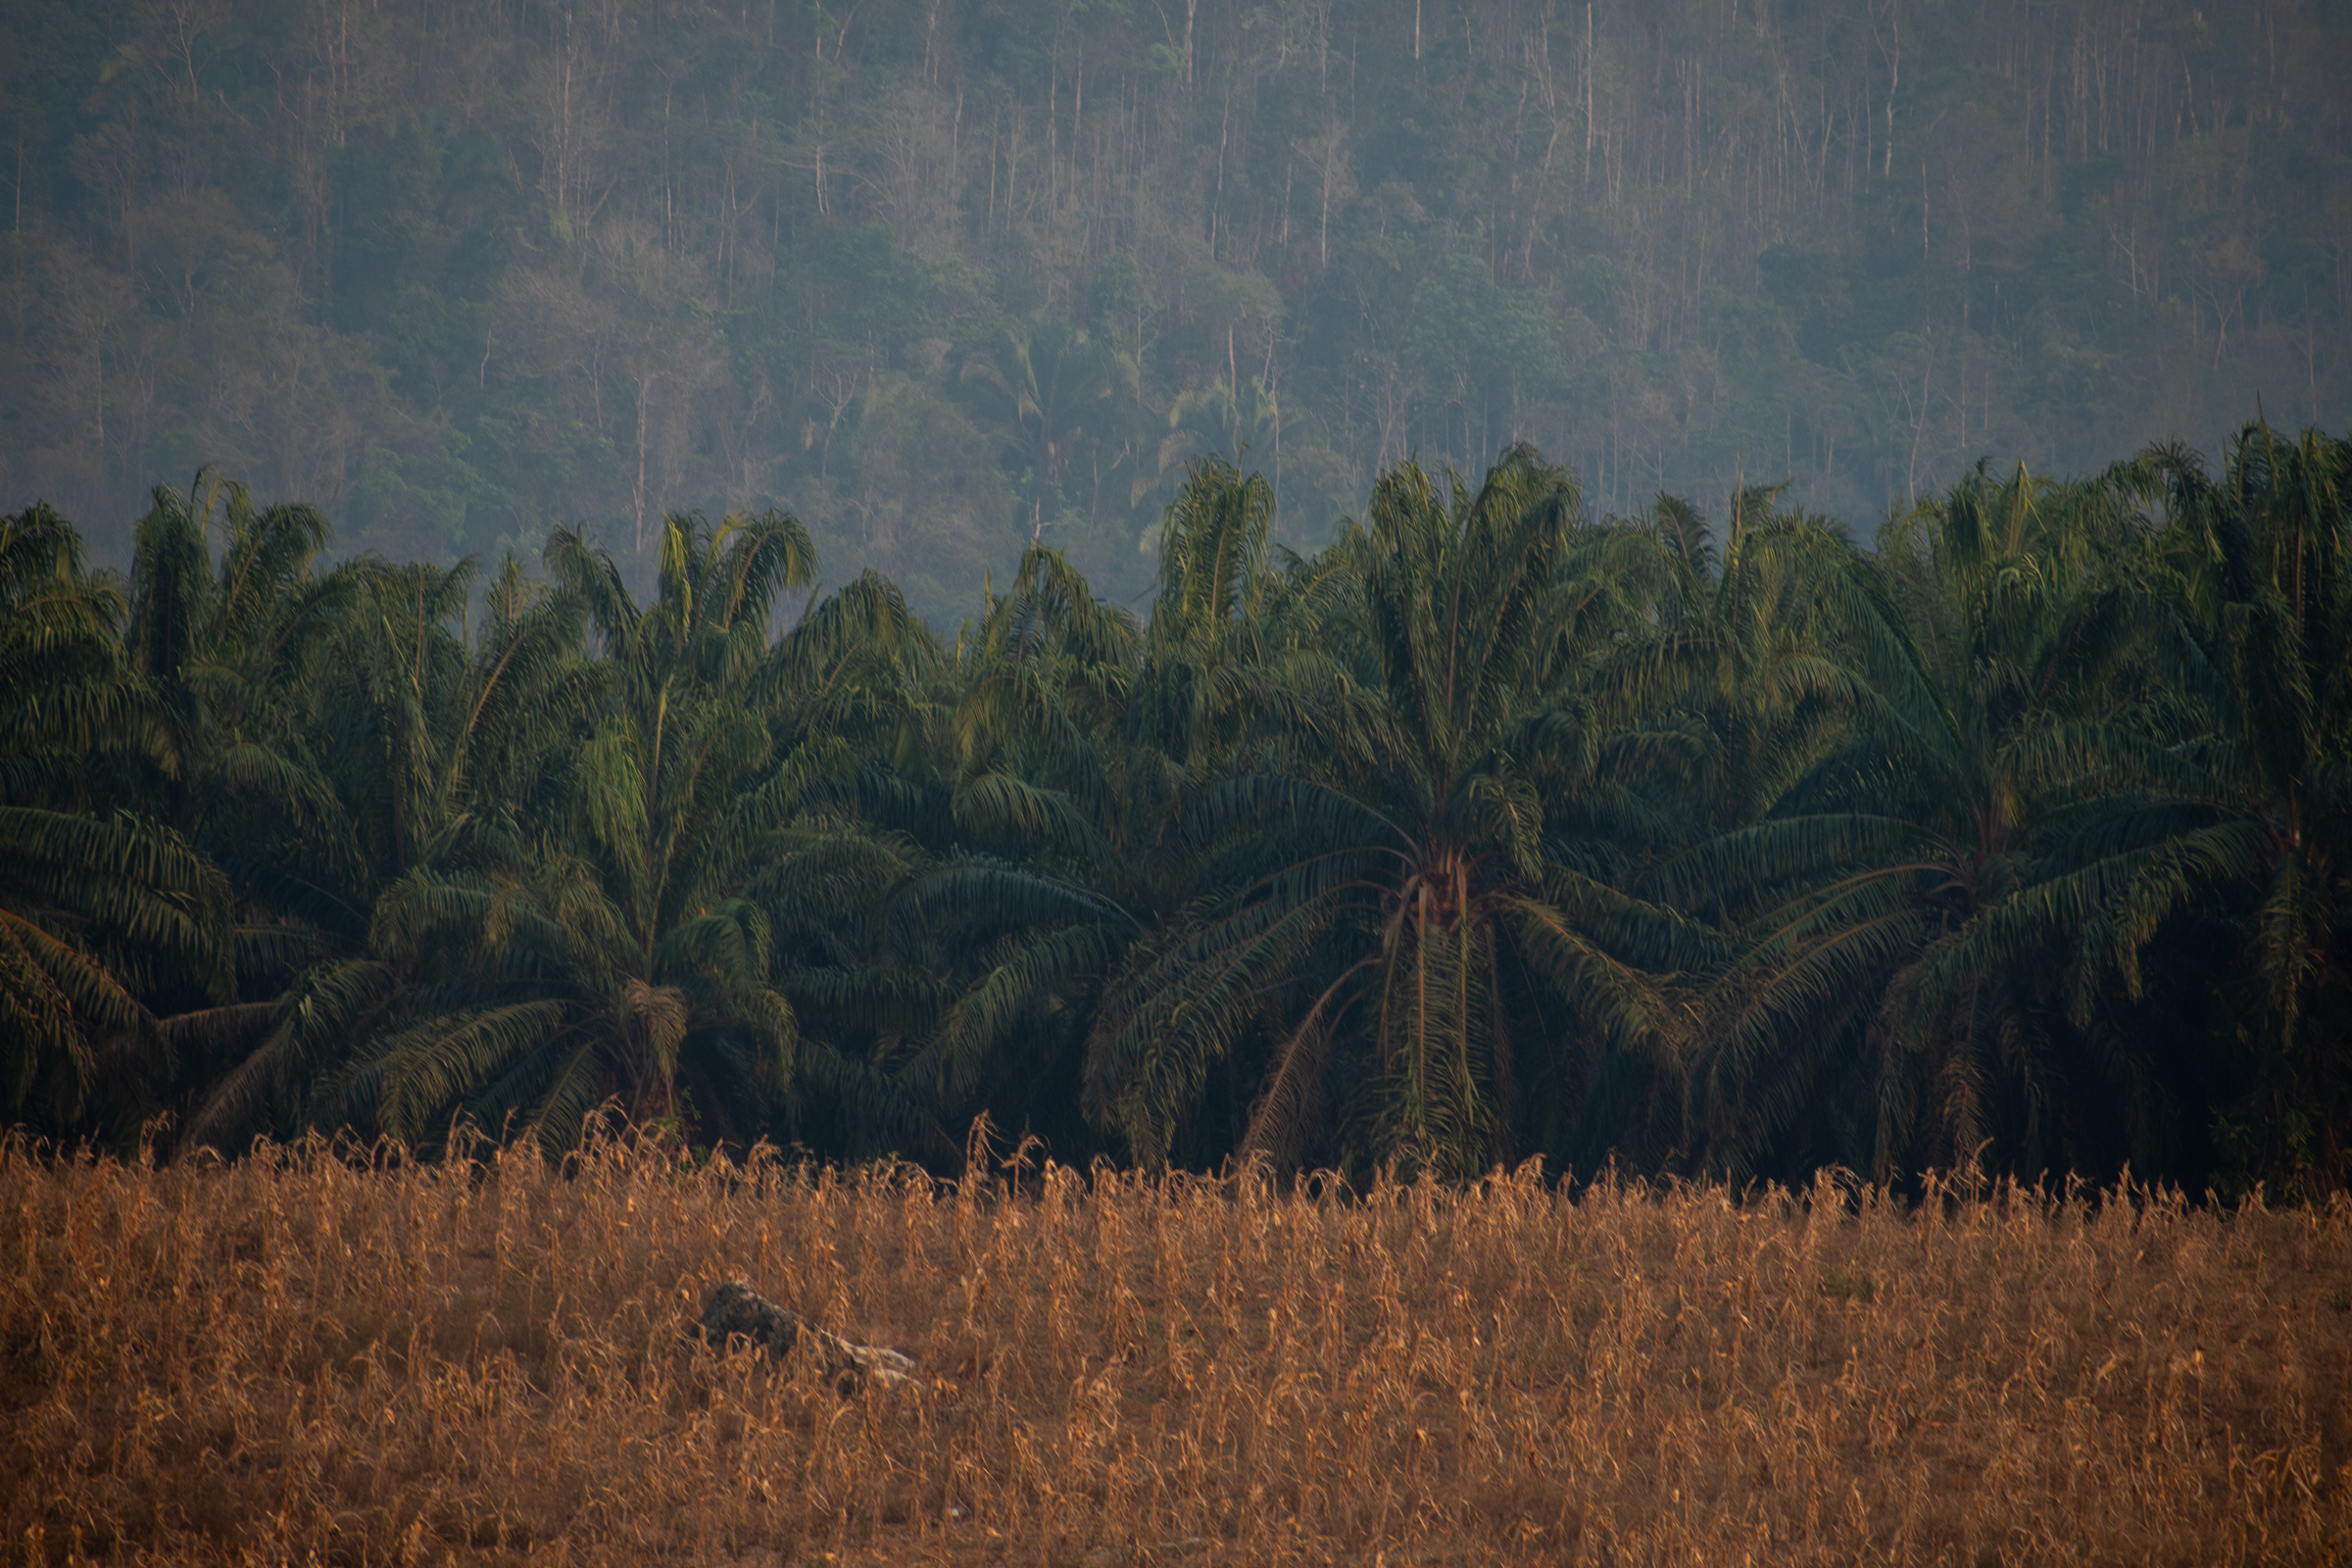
{"x": 734, "y": 1312}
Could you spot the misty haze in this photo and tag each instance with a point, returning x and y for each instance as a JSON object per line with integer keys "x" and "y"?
{"x": 940, "y": 278}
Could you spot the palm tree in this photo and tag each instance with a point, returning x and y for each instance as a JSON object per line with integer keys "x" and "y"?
{"x": 61, "y": 667}
{"x": 1871, "y": 903}
{"x": 1415, "y": 878}
{"x": 1048, "y": 387}
{"x": 1047, "y": 843}
{"x": 229, "y": 655}
{"x": 100, "y": 906}
{"x": 433, "y": 735}
{"x": 2229, "y": 820}
{"x": 628, "y": 944}
{"x": 1216, "y": 420}
{"x": 2276, "y": 542}
{"x": 201, "y": 737}
{"x": 1747, "y": 642}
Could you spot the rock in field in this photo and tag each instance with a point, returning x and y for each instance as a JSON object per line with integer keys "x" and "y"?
{"x": 735, "y": 1311}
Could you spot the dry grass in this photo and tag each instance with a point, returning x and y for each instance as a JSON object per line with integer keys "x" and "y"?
{"x": 302, "y": 1358}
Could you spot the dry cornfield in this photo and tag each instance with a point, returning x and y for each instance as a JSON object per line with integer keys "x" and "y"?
{"x": 317, "y": 1355}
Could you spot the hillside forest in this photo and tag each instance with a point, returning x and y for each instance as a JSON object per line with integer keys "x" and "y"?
{"x": 945, "y": 278}
{"x": 1505, "y": 826}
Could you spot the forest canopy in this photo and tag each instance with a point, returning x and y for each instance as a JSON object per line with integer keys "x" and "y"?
{"x": 943, "y": 278}
{"x": 1501, "y": 826}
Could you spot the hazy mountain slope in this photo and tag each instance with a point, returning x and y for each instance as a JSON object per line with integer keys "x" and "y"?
{"x": 942, "y": 275}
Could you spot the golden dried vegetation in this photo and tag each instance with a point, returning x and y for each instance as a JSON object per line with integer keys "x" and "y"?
{"x": 311, "y": 1356}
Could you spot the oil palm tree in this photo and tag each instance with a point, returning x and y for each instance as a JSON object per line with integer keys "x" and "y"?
{"x": 1413, "y": 880}
{"x": 1046, "y": 841}
{"x": 435, "y": 732}
{"x": 628, "y": 945}
{"x": 229, "y": 652}
{"x": 199, "y": 739}
{"x": 1748, "y": 639}
{"x": 2227, "y": 820}
{"x": 2273, "y": 784}
{"x": 100, "y": 904}
{"x": 1745, "y": 647}
{"x": 1872, "y": 903}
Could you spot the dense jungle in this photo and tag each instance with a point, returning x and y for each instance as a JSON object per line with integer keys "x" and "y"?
{"x": 942, "y": 278}
{"x": 861, "y": 653}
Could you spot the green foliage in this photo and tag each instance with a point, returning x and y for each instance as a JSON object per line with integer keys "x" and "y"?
{"x": 946, "y": 279}
{"x": 1399, "y": 862}
{"x": 600, "y": 950}
{"x": 1491, "y": 829}
{"x": 98, "y": 906}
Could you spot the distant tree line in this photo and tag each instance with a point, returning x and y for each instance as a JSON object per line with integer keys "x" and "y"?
{"x": 943, "y": 277}
{"x": 1495, "y": 828}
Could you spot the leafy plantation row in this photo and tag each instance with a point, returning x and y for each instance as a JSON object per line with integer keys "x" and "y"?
{"x": 1493, "y": 830}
